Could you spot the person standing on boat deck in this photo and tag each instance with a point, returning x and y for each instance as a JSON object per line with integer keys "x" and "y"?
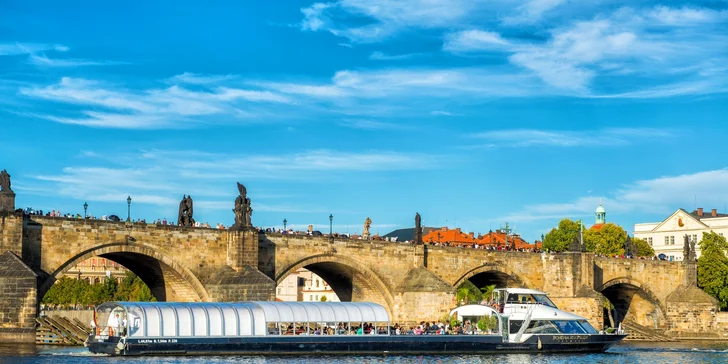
{"x": 123, "y": 326}
{"x": 114, "y": 323}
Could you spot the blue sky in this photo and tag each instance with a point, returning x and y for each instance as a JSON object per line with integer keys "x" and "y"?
{"x": 472, "y": 113}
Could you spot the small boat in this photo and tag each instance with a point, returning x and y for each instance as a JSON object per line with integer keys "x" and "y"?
{"x": 527, "y": 321}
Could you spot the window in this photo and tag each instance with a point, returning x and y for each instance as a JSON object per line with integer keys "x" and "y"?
{"x": 667, "y": 240}
{"x": 695, "y": 238}
{"x": 317, "y": 283}
{"x": 672, "y": 240}
{"x": 316, "y": 297}
{"x": 541, "y": 327}
{"x": 569, "y": 327}
{"x": 649, "y": 240}
{"x": 280, "y": 290}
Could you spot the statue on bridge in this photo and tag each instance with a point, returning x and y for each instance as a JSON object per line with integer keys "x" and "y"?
{"x": 5, "y": 181}
{"x": 365, "y": 233}
{"x": 184, "y": 218}
{"x": 243, "y": 211}
{"x": 418, "y": 229}
{"x": 689, "y": 254}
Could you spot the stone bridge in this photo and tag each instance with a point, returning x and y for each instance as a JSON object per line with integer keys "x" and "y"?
{"x": 414, "y": 282}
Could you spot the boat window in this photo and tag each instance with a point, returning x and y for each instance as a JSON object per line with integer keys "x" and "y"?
{"x": 544, "y": 300}
{"x": 514, "y": 326}
{"x": 588, "y": 327}
{"x": 541, "y": 327}
{"x": 569, "y": 327}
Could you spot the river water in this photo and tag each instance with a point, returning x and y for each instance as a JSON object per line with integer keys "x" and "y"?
{"x": 652, "y": 353}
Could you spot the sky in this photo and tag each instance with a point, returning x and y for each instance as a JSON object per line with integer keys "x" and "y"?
{"x": 472, "y": 113}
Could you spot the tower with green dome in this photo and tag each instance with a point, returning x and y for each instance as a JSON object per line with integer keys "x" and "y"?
{"x": 601, "y": 214}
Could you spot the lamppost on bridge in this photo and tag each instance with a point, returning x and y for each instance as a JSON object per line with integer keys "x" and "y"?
{"x": 542, "y": 237}
{"x": 284, "y": 225}
{"x": 331, "y": 228}
{"x": 128, "y": 211}
{"x": 85, "y": 210}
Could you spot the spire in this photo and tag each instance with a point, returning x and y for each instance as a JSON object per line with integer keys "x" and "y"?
{"x": 601, "y": 214}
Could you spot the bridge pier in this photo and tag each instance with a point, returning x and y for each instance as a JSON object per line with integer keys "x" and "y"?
{"x": 241, "y": 280}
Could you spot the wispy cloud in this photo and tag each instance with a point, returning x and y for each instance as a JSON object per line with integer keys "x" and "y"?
{"x": 147, "y": 109}
{"x": 43, "y": 61}
{"x": 567, "y": 138}
{"x": 161, "y": 177}
{"x": 199, "y": 79}
{"x": 385, "y": 18}
{"x": 379, "y": 56}
{"x": 532, "y": 11}
{"x": 661, "y": 195}
{"x": 15, "y": 49}
{"x": 371, "y": 125}
{"x": 474, "y": 40}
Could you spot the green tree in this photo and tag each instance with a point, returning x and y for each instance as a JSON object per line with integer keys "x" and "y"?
{"x": 324, "y": 299}
{"x": 487, "y": 323}
{"x": 643, "y": 248}
{"x": 609, "y": 240}
{"x": 468, "y": 293}
{"x": 559, "y": 238}
{"x": 713, "y": 267}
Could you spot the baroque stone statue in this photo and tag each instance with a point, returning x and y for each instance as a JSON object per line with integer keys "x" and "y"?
{"x": 418, "y": 229}
{"x": 184, "y": 218}
{"x": 243, "y": 211}
{"x": 367, "y": 224}
{"x": 5, "y": 181}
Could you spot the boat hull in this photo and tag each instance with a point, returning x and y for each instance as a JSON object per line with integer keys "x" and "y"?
{"x": 351, "y": 345}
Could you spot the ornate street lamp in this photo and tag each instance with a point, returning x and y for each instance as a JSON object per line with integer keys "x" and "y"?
{"x": 284, "y": 225}
{"x": 128, "y": 211}
{"x": 331, "y": 228}
{"x": 542, "y": 237}
{"x": 85, "y": 210}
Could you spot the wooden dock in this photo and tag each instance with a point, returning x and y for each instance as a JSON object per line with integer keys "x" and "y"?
{"x": 60, "y": 331}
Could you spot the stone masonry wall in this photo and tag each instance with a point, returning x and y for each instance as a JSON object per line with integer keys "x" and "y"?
{"x": 11, "y": 233}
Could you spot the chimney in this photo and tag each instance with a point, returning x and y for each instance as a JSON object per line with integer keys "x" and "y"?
{"x": 700, "y": 211}
{"x": 472, "y": 235}
{"x": 714, "y": 212}
{"x": 458, "y": 230}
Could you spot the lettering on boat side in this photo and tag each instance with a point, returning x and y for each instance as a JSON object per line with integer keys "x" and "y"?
{"x": 570, "y": 338}
{"x": 101, "y": 337}
{"x": 157, "y": 341}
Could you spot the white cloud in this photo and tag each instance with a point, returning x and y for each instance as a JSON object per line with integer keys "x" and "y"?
{"x": 379, "y": 56}
{"x": 15, "y": 49}
{"x": 161, "y": 177}
{"x": 42, "y": 60}
{"x": 198, "y": 79}
{"x": 532, "y": 11}
{"x": 174, "y": 106}
{"x": 383, "y": 18}
{"x": 370, "y": 124}
{"x": 687, "y": 16}
{"x": 662, "y": 195}
{"x": 474, "y": 40}
{"x": 567, "y": 138}
{"x": 377, "y": 84}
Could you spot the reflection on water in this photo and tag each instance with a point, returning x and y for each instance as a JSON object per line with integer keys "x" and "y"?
{"x": 651, "y": 353}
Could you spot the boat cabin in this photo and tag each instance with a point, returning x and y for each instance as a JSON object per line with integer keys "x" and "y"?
{"x": 234, "y": 319}
{"x": 519, "y": 296}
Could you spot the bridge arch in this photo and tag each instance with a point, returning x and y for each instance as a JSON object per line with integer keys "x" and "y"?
{"x": 492, "y": 273}
{"x": 634, "y": 301}
{"x": 167, "y": 279}
{"x": 350, "y": 280}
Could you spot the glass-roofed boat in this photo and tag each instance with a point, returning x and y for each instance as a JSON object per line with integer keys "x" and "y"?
{"x": 282, "y": 328}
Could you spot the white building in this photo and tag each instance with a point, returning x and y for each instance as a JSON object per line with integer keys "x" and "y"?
{"x": 304, "y": 285}
{"x": 668, "y": 236}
